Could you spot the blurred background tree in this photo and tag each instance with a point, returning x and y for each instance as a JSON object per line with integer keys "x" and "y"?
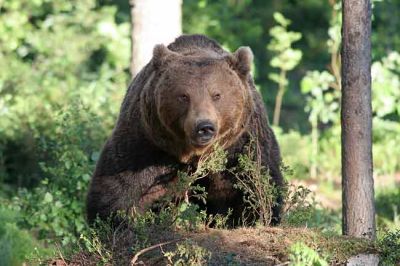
{"x": 285, "y": 58}
{"x": 153, "y": 22}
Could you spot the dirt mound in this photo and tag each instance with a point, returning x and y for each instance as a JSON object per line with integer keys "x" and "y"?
{"x": 242, "y": 246}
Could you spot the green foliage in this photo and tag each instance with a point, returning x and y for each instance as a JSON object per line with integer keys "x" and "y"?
{"x": 300, "y": 254}
{"x": 386, "y": 107}
{"x": 144, "y": 225}
{"x": 188, "y": 253}
{"x": 189, "y": 217}
{"x": 286, "y": 58}
{"x": 384, "y": 38}
{"x": 323, "y": 99}
{"x": 55, "y": 207}
{"x": 299, "y": 208}
{"x": 322, "y": 106}
{"x": 210, "y": 163}
{"x": 388, "y": 209}
{"x": 389, "y": 246}
{"x": 385, "y": 84}
{"x": 259, "y": 193}
{"x": 54, "y": 53}
{"x": 296, "y": 150}
{"x": 94, "y": 241}
{"x": 18, "y": 246}
{"x": 322, "y": 103}
{"x": 386, "y": 136}
{"x": 63, "y": 65}
{"x": 311, "y": 215}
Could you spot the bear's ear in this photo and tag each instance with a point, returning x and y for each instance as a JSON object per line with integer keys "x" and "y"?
{"x": 242, "y": 60}
{"x": 160, "y": 55}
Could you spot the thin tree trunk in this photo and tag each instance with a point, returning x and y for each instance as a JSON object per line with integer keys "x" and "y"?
{"x": 153, "y": 22}
{"x": 356, "y": 115}
{"x": 315, "y": 148}
{"x": 279, "y": 98}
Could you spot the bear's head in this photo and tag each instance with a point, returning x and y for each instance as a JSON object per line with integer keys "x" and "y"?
{"x": 195, "y": 100}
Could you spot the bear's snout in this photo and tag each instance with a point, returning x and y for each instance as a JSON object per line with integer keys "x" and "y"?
{"x": 204, "y": 132}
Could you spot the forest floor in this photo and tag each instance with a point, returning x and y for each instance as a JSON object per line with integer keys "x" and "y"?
{"x": 242, "y": 246}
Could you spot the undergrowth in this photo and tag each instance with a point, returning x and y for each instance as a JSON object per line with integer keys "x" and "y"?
{"x": 389, "y": 248}
{"x": 167, "y": 235}
{"x": 300, "y": 254}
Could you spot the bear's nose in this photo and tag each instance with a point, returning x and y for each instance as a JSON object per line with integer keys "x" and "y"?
{"x": 205, "y": 131}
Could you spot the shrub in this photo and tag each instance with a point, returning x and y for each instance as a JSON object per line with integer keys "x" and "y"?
{"x": 18, "y": 246}
{"x": 388, "y": 209}
{"x": 55, "y": 208}
{"x": 188, "y": 253}
{"x": 254, "y": 180}
{"x": 49, "y": 58}
{"x": 389, "y": 246}
{"x": 296, "y": 152}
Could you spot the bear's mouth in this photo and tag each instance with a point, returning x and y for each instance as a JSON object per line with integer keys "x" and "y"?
{"x": 201, "y": 142}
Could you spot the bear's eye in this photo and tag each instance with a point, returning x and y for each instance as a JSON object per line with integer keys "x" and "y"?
{"x": 183, "y": 98}
{"x": 216, "y": 97}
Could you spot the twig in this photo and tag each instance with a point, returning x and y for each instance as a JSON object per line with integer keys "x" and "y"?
{"x": 60, "y": 254}
{"x": 115, "y": 233}
{"x": 135, "y": 258}
{"x": 276, "y": 261}
{"x": 283, "y": 264}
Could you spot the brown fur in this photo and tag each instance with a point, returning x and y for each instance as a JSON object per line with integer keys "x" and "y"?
{"x": 191, "y": 80}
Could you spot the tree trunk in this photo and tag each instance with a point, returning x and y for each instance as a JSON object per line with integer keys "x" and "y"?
{"x": 153, "y": 22}
{"x": 279, "y": 98}
{"x": 356, "y": 114}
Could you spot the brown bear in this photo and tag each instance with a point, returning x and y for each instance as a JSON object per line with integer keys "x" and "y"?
{"x": 191, "y": 95}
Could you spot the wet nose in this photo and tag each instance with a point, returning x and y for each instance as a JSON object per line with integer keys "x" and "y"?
{"x": 205, "y": 131}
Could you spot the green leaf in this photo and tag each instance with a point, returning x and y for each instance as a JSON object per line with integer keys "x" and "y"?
{"x": 281, "y": 19}
{"x": 48, "y": 198}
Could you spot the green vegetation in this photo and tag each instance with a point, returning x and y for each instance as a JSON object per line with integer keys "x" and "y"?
{"x": 301, "y": 254}
{"x": 188, "y": 253}
{"x": 258, "y": 192}
{"x": 389, "y": 248}
{"x": 64, "y": 71}
{"x": 18, "y": 245}
{"x": 285, "y": 58}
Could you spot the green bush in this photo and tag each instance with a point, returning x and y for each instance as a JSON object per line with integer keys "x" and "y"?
{"x": 386, "y": 138}
{"x": 188, "y": 253}
{"x": 17, "y": 245}
{"x": 388, "y": 209}
{"x": 54, "y": 52}
{"x": 389, "y": 246}
{"x": 55, "y": 209}
{"x": 296, "y": 150}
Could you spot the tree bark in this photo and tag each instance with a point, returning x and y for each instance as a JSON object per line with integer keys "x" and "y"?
{"x": 153, "y": 22}
{"x": 356, "y": 115}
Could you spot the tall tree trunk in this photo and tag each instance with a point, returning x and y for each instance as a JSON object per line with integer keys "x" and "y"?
{"x": 356, "y": 114}
{"x": 153, "y": 22}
